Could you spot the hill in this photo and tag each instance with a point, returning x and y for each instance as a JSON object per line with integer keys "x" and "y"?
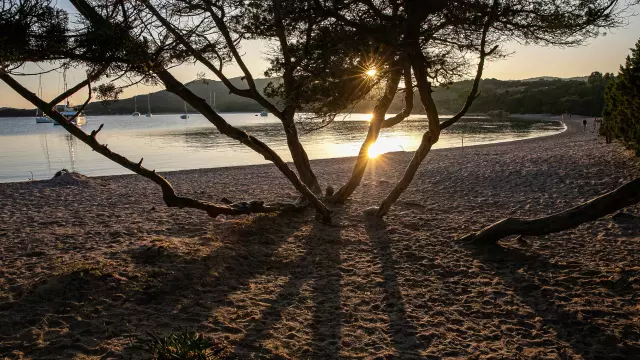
{"x": 529, "y": 96}
{"x": 166, "y": 102}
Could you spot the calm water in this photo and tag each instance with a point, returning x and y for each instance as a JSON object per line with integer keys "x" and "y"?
{"x": 168, "y": 143}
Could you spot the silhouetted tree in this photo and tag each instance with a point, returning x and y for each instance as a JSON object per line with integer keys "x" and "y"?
{"x": 123, "y": 39}
{"x": 622, "y": 109}
{"x": 434, "y": 40}
{"x": 323, "y": 51}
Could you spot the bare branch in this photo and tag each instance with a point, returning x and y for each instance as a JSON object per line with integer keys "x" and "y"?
{"x": 408, "y": 100}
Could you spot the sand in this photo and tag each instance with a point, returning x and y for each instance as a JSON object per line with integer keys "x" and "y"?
{"x": 85, "y": 264}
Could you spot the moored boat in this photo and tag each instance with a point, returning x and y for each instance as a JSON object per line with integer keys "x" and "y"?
{"x": 69, "y": 112}
{"x": 41, "y": 118}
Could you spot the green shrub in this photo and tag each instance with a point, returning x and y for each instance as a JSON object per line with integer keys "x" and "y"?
{"x": 184, "y": 345}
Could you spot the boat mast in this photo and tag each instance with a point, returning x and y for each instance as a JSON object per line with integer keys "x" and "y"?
{"x": 64, "y": 79}
{"x": 39, "y": 91}
{"x": 148, "y": 103}
{"x": 135, "y": 104}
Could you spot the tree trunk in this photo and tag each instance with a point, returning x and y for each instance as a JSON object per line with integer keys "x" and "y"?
{"x": 419, "y": 65}
{"x": 626, "y": 195}
{"x": 298, "y": 154}
{"x": 403, "y": 184}
{"x": 379, "y": 112}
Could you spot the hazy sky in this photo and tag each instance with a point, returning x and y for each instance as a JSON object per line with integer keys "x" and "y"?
{"x": 603, "y": 54}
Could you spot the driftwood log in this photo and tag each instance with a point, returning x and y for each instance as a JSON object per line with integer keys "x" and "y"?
{"x": 626, "y": 195}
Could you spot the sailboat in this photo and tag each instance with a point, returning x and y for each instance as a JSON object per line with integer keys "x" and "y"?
{"x": 135, "y": 107}
{"x": 68, "y": 111}
{"x": 148, "y": 106}
{"x": 185, "y": 115}
{"x": 41, "y": 118}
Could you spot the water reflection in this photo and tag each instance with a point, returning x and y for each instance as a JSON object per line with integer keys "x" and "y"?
{"x": 169, "y": 143}
{"x": 71, "y": 143}
{"x": 45, "y": 149}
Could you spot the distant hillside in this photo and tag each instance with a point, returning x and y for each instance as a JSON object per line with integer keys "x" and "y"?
{"x": 11, "y": 112}
{"x": 530, "y": 96}
{"x": 526, "y": 97}
{"x": 166, "y": 102}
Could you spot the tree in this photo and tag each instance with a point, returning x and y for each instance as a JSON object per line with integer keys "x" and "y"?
{"x": 621, "y": 116}
{"x": 435, "y": 40}
{"x": 330, "y": 55}
{"x": 121, "y": 39}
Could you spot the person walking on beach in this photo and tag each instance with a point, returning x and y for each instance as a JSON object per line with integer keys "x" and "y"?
{"x": 584, "y": 125}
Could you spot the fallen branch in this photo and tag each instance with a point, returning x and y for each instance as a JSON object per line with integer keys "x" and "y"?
{"x": 626, "y": 195}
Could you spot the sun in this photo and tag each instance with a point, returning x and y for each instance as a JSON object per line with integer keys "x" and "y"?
{"x": 371, "y": 72}
{"x": 374, "y": 151}
{"x": 385, "y": 145}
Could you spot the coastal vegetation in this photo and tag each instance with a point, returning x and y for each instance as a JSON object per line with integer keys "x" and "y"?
{"x": 622, "y": 97}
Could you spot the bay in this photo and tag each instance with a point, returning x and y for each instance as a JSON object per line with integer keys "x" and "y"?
{"x": 166, "y": 142}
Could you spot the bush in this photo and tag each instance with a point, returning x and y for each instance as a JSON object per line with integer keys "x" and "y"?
{"x": 184, "y": 345}
{"x": 621, "y": 114}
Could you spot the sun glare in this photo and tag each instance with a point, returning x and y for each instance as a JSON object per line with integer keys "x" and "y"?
{"x": 374, "y": 151}
{"x": 371, "y": 72}
{"x": 384, "y": 145}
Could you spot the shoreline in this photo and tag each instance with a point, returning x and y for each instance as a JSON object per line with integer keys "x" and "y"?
{"x": 85, "y": 264}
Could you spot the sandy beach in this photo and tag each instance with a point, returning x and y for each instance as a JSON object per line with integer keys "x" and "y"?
{"x": 85, "y": 265}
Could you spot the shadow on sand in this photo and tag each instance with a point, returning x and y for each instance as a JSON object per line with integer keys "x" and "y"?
{"x": 93, "y": 300}
{"x": 526, "y": 275}
{"x": 402, "y": 332}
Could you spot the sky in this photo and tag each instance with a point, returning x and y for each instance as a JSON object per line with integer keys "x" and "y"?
{"x": 604, "y": 54}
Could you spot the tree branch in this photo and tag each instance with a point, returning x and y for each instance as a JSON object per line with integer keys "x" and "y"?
{"x": 375, "y": 125}
{"x": 408, "y": 100}
{"x": 247, "y": 93}
{"x": 201, "y": 105}
{"x": 473, "y": 94}
{"x": 77, "y": 87}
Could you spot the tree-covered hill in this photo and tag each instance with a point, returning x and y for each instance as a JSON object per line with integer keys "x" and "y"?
{"x": 530, "y": 96}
